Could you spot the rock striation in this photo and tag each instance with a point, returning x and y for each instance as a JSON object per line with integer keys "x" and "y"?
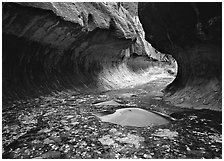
{"x": 58, "y": 46}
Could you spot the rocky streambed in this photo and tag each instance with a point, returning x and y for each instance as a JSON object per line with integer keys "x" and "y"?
{"x": 63, "y": 125}
{"x": 90, "y": 47}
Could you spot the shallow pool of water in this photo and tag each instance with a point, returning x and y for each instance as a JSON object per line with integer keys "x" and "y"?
{"x": 133, "y": 117}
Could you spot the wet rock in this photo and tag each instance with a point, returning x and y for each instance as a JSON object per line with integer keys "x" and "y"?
{"x": 200, "y": 130}
{"x": 166, "y": 133}
{"x": 74, "y": 123}
{"x": 131, "y": 139}
{"x": 108, "y": 103}
{"x": 127, "y": 95}
{"x": 38, "y": 157}
{"x": 106, "y": 140}
{"x": 69, "y": 116}
{"x": 134, "y": 117}
{"x": 46, "y": 130}
{"x": 51, "y": 155}
{"x": 216, "y": 138}
{"x": 157, "y": 98}
{"x": 48, "y": 141}
{"x": 28, "y": 119}
{"x": 56, "y": 138}
{"x": 67, "y": 128}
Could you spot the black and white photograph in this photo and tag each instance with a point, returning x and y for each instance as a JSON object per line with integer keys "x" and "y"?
{"x": 111, "y": 80}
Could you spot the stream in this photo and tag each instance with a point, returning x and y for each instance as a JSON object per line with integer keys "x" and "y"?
{"x": 70, "y": 125}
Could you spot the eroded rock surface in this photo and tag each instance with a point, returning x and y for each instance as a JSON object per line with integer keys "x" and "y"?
{"x": 57, "y": 51}
{"x": 191, "y": 32}
{"x": 57, "y": 46}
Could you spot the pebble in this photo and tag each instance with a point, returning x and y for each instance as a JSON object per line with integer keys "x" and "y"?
{"x": 44, "y": 131}
{"x": 69, "y": 116}
{"x": 51, "y": 155}
{"x": 97, "y": 132}
{"x": 56, "y": 138}
{"x": 67, "y": 128}
{"x": 48, "y": 141}
{"x": 74, "y": 123}
{"x": 147, "y": 156}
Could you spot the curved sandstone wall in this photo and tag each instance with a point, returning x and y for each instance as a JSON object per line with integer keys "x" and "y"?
{"x": 48, "y": 47}
{"x": 192, "y": 34}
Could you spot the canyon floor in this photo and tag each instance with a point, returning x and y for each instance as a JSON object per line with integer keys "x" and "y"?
{"x": 64, "y": 125}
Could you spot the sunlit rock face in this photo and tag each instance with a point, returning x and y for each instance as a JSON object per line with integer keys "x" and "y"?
{"x": 192, "y": 34}
{"x": 58, "y": 46}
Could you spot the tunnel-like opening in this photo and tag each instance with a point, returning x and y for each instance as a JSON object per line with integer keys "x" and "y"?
{"x": 49, "y": 54}
{"x": 133, "y": 71}
{"x": 80, "y": 81}
{"x": 30, "y": 69}
{"x": 44, "y": 54}
{"x": 191, "y": 33}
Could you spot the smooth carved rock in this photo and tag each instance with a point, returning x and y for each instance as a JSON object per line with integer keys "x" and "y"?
{"x": 191, "y": 33}
{"x": 64, "y": 45}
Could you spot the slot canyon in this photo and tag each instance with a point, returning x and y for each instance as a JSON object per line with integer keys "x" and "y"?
{"x": 111, "y": 80}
